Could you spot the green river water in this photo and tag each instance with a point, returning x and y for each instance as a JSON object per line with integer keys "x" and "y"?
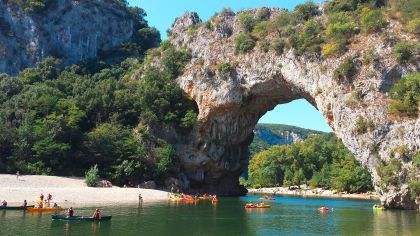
{"x": 287, "y": 216}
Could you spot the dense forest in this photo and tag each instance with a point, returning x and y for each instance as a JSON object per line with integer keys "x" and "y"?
{"x": 320, "y": 161}
{"x": 57, "y": 120}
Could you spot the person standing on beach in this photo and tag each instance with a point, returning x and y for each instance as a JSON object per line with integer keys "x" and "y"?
{"x": 17, "y": 175}
{"x": 41, "y": 202}
{"x": 49, "y": 198}
{"x": 140, "y": 200}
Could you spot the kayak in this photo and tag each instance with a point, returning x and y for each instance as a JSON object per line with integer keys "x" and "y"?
{"x": 15, "y": 207}
{"x": 204, "y": 198}
{"x": 378, "y": 208}
{"x": 192, "y": 200}
{"x": 49, "y": 209}
{"x": 175, "y": 199}
{"x": 256, "y": 206}
{"x": 268, "y": 198}
{"x": 84, "y": 218}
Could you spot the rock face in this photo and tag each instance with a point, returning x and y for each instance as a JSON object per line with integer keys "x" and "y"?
{"x": 230, "y": 105}
{"x": 71, "y": 30}
{"x": 277, "y": 134}
{"x": 267, "y": 135}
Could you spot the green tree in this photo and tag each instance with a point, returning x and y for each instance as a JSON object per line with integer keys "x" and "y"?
{"x": 244, "y": 43}
{"x": 92, "y": 176}
{"x": 405, "y": 96}
{"x": 246, "y": 21}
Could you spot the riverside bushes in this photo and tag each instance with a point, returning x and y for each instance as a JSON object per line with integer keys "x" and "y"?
{"x": 92, "y": 176}
{"x": 414, "y": 189}
{"x": 389, "y": 172}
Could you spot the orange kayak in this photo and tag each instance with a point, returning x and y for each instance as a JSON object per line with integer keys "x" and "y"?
{"x": 192, "y": 200}
{"x": 48, "y": 209}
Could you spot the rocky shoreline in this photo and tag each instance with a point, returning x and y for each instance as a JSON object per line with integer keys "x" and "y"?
{"x": 316, "y": 193}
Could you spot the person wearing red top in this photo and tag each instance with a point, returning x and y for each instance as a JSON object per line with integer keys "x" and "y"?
{"x": 49, "y": 198}
{"x": 97, "y": 214}
{"x": 70, "y": 212}
{"x": 41, "y": 197}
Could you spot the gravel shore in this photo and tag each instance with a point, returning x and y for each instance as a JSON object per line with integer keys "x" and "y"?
{"x": 69, "y": 191}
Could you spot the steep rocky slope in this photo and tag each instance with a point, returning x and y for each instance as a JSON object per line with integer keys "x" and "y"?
{"x": 267, "y": 135}
{"x": 230, "y": 104}
{"x": 68, "y": 29}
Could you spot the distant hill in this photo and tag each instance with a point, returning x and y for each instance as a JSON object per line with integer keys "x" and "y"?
{"x": 267, "y": 135}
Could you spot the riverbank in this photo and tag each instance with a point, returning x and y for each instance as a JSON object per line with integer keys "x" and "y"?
{"x": 317, "y": 192}
{"x": 71, "y": 191}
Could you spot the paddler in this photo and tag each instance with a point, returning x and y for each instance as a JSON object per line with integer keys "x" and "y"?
{"x": 96, "y": 214}
{"x": 25, "y": 203}
{"x": 4, "y": 203}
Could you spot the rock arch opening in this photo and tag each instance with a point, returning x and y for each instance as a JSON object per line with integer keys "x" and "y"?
{"x": 284, "y": 125}
{"x": 218, "y": 153}
{"x": 233, "y": 90}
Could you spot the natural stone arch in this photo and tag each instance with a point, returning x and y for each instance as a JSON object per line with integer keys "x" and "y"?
{"x": 230, "y": 106}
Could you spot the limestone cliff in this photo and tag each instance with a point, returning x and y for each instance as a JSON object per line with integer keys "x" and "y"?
{"x": 231, "y": 104}
{"x": 69, "y": 29}
{"x": 267, "y": 135}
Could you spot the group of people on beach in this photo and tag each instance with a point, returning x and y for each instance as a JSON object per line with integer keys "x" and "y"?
{"x": 45, "y": 202}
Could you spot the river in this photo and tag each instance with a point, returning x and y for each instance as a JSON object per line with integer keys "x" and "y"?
{"x": 287, "y": 216}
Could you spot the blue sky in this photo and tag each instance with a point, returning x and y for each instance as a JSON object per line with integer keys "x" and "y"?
{"x": 162, "y": 13}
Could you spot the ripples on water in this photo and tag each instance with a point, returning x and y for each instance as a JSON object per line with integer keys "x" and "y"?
{"x": 288, "y": 216}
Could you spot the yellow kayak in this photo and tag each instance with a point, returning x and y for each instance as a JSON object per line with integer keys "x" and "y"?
{"x": 48, "y": 209}
{"x": 378, "y": 208}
